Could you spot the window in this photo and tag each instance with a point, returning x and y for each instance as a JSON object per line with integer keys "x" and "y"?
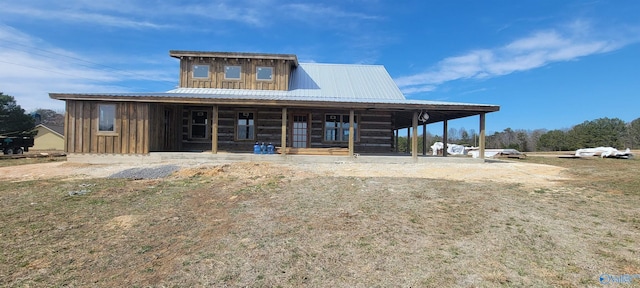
{"x": 199, "y": 124}
{"x": 107, "y": 116}
{"x": 200, "y": 71}
{"x": 246, "y": 126}
{"x": 264, "y": 73}
{"x": 336, "y": 128}
{"x": 232, "y": 72}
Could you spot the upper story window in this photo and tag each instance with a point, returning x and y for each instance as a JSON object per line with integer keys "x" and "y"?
{"x": 232, "y": 72}
{"x": 107, "y": 117}
{"x": 200, "y": 71}
{"x": 264, "y": 73}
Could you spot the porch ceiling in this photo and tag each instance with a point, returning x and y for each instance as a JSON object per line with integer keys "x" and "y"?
{"x": 404, "y": 119}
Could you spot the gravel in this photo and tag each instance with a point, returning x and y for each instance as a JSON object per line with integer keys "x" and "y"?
{"x": 146, "y": 173}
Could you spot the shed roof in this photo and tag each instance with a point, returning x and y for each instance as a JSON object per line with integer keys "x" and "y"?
{"x": 237, "y": 55}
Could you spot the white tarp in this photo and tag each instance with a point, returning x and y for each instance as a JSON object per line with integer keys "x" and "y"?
{"x": 452, "y": 149}
{"x": 603, "y": 152}
{"x": 489, "y": 153}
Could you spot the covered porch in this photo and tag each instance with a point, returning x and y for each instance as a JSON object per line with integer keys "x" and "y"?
{"x": 358, "y": 131}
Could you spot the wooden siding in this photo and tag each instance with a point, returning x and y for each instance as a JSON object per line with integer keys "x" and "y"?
{"x": 144, "y": 127}
{"x": 131, "y": 135}
{"x": 374, "y": 132}
{"x": 280, "y": 81}
{"x": 164, "y": 129}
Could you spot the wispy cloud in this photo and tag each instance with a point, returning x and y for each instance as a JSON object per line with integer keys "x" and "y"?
{"x": 314, "y": 11}
{"x": 31, "y": 68}
{"x": 537, "y": 50}
{"x": 153, "y": 14}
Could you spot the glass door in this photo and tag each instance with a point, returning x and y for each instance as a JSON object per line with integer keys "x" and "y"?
{"x": 300, "y": 132}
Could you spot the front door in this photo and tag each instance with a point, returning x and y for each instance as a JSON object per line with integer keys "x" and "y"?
{"x": 300, "y": 131}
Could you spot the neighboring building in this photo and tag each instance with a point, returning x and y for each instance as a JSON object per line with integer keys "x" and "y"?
{"x": 229, "y": 101}
{"x": 49, "y": 137}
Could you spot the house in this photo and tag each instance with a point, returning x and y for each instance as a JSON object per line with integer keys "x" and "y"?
{"x": 229, "y": 101}
{"x": 49, "y": 137}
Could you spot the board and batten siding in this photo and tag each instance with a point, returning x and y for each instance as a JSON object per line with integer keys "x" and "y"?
{"x": 131, "y": 135}
{"x": 280, "y": 81}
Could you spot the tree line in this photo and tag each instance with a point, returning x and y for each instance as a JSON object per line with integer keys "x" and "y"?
{"x": 602, "y": 132}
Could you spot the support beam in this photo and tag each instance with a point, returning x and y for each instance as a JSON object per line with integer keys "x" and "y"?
{"x": 351, "y": 131}
{"x": 445, "y": 137}
{"x": 283, "y": 139}
{"x": 408, "y": 139}
{"x": 414, "y": 140}
{"x": 214, "y": 130}
{"x": 482, "y": 134}
{"x": 395, "y": 140}
{"x": 424, "y": 139}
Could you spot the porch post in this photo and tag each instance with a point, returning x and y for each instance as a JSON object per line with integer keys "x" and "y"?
{"x": 214, "y": 130}
{"x": 414, "y": 140}
{"x": 283, "y": 137}
{"x": 482, "y": 134}
{"x": 408, "y": 139}
{"x": 424, "y": 139}
{"x": 444, "y": 138}
{"x": 395, "y": 140}
{"x": 351, "y": 131}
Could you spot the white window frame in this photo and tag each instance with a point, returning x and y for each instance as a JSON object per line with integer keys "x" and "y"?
{"x": 250, "y": 136}
{"x": 200, "y": 65}
{"x": 341, "y": 129}
{"x": 105, "y": 120}
{"x": 258, "y": 73}
{"x": 230, "y": 78}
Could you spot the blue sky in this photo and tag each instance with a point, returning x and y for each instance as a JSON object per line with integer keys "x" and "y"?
{"x": 548, "y": 64}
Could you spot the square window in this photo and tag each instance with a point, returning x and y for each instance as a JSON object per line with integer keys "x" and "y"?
{"x": 264, "y": 73}
{"x": 107, "y": 117}
{"x": 232, "y": 72}
{"x": 200, "y": 71}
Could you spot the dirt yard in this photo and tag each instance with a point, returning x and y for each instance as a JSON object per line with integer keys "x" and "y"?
{"x": 509, "y": 224}
{"x": 500, "y": 171}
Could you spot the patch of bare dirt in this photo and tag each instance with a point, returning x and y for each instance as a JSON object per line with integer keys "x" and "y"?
{"x": 502, "y": 172}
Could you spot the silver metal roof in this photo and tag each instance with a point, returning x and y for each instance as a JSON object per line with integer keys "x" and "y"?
{"x": 323, "y": 82}
{"x": 341, "y": 83}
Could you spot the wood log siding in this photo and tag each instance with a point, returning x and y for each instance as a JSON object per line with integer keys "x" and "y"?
{"x": 131, "y": 135}
{"x": 375, "y": 132}
{"x": 281, "y": 71}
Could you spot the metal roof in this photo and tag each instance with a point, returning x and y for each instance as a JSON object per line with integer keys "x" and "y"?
{"x": 323, "y": 82}
{"x": 310, "y": 82}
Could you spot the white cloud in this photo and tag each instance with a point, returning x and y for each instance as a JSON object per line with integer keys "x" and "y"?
{"x": 537, "y": 50}
{"x": 31, "y": 68}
